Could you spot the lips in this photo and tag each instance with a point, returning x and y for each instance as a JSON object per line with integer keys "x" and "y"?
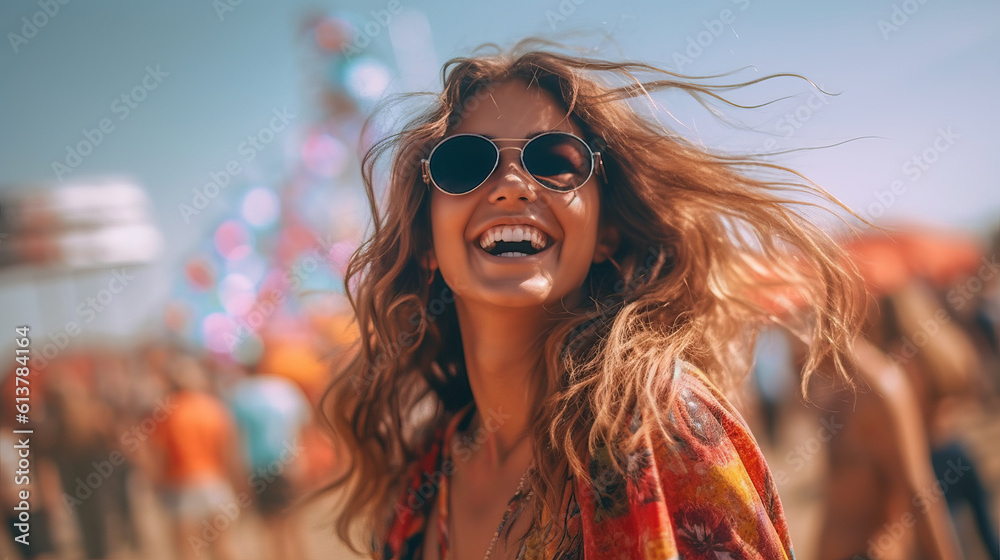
{"x": 514, "y": 240}
{"x": 515, "y": 236}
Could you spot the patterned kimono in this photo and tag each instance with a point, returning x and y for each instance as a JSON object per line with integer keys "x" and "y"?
{"x": 705, "y": 493}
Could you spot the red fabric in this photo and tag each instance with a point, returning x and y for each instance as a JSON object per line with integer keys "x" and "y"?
{"x": 704, "y": 491}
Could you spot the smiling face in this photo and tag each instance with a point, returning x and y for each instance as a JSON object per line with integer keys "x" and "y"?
{"x": 512, "y": 205}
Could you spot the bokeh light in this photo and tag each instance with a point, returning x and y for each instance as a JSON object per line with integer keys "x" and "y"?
{"x": 367, "y": 78}
{"x": 324, "y": 154}
{"x": 261, "y": 207}
{"x": 232, "y": 240}
{"x": 236, "y": 292}
{"x": 252, "y": 266}
{"x": 332, "y": 34}
{"x": 199, "y": 273}
{"x": 218, "y": 330}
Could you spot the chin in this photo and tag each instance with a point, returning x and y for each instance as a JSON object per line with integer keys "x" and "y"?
{"x": 516, "y": 296}
{"x": 526, "y": 295}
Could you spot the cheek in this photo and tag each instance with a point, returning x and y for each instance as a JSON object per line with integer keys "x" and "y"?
{"x": 435, "y": 221}
{"x": 582, "y": 219}
{"x": 448, "y": 222}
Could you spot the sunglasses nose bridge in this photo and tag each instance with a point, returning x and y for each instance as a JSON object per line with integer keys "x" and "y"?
{"x": 515, "y": 160}
{"x": 512, "y": 176}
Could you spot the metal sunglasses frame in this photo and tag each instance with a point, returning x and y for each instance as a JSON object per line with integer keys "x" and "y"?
{"x": 596, "y": 167}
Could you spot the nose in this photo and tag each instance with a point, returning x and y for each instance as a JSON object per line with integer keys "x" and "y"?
{"x": 512, "y": 181}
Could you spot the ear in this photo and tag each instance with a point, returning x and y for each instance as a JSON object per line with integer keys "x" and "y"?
{"x": 608, "y": 239}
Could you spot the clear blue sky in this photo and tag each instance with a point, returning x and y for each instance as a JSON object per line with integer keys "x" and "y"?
{"x": 926, "y": 78}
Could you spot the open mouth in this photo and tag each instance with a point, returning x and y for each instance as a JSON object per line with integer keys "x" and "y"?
{"x": 513, "y": 241}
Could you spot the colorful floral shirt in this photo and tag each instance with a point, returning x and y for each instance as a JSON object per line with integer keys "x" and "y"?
{"x": 704, "y": 493}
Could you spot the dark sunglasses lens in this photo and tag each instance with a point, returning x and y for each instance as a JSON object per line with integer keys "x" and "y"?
{"x": 558, "y": 161}
{"x": 462, "y": 163}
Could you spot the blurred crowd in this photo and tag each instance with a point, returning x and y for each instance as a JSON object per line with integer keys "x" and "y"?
{"x": 905, "y": 464}
{"x": 163, "y": 450}
{"x": 159, "y": 446}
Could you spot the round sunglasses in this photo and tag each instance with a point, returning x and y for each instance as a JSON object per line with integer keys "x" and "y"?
{"x": 558, "y": 161}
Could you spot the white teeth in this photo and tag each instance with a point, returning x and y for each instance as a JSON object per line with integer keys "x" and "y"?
{"x": 513, "y": 254}
{"x": 513, "y": 234}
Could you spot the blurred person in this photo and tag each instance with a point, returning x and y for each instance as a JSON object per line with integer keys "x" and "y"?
{"x": 271, "y": 413}
{"x": 942, "y": 364}
{"x": 878, "y": 472}
{"x": 37, "y": 542}
{"x": 322, "y": 463}
{"x": 975, "y": 302}
{"x": 39, "y": 481}
{"x": 83, "y": 440}
{"x": 199, "y": 461}
{"x": 149, "y": 389}
{"x": 548, "y": 307}
{"x": 114, "y": 389}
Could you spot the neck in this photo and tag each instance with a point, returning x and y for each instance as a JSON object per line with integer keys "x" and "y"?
{"x": 503, "y": 354}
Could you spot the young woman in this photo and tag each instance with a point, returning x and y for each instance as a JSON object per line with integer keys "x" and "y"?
{"x": 554, "y": 292}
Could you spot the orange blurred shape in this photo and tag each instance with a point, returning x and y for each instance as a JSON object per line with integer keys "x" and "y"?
{"x": 333, "y": 35}
{"x": 320, "y": 456}
{"x": 337, "y": 328}
{"x": 779, "y": 300}
{"x": 199, "y": 273}
{"x": 880, "y": 262}
{"x": 176, "y": 315}
{"x": 296, "y": 359}
{"x": 944, "y": 258}
{"x": 888, "y": 261}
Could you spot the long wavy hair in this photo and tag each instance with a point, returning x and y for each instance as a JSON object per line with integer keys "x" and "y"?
{"x": 707, "y": 240}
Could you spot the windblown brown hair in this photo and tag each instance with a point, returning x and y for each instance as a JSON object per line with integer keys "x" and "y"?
{"x": 707, "y": 240}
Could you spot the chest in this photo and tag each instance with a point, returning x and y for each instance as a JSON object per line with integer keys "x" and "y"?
{"x": 473, "y": 516}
